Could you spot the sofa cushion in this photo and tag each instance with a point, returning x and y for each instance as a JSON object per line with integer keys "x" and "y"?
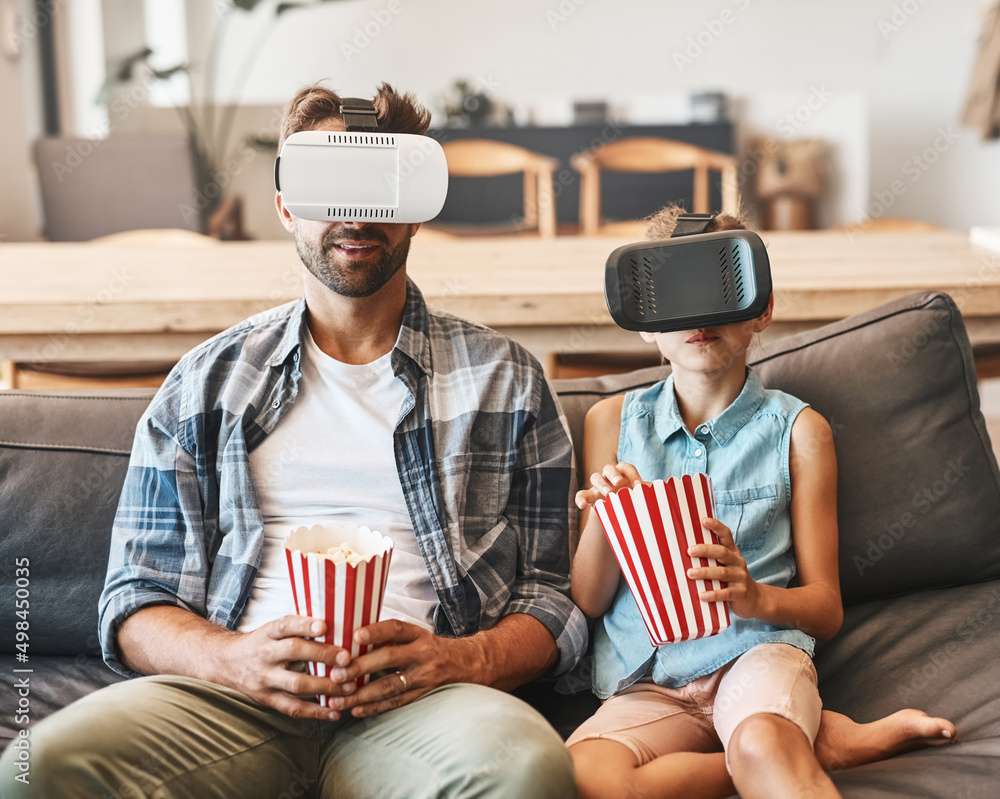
{"x": 63, "y": 459}
{"x": 930, "y": 650}
{"x": 918, "y": 489}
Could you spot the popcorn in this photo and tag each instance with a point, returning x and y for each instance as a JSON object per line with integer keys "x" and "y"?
{"x": 342, "y": 553}
{"x": 338, "y": 573}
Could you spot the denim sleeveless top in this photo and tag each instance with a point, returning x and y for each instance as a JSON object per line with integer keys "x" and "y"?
{"x": 745, "y": 452}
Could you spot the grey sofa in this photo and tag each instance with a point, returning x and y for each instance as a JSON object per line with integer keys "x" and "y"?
{"x": 919, "y": 508}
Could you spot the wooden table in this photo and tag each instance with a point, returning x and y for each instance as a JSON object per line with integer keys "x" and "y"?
{"x": 93, "y": 302}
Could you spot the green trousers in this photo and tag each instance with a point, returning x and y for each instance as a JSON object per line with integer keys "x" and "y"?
{"x": 166, "y": 736}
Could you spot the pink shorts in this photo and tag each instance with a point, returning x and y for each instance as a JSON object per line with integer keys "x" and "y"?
{"x": 703, "y": 715}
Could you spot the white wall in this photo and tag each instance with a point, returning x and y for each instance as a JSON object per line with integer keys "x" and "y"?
{"x": 77, "y": 25}
{"x": 22, "y": 120}
{"x": 896, "y": 70}
{"x": 83, "y": 70}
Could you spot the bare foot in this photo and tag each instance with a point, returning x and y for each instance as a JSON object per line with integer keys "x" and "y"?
{"x": 843, "y": 743}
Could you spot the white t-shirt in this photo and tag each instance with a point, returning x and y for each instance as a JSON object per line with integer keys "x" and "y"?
{"x": 330, "y": 459}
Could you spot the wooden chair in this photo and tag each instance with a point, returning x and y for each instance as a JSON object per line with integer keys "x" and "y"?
{"x": 106, "y": 374}
{"x": 487, "y": 158}
{"x": 649, "y": 154}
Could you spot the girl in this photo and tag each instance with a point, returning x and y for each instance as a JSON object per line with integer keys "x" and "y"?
{"x": 750, "y": 692}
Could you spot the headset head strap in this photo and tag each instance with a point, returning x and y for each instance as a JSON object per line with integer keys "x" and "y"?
{"x": 691, "y": 224}
{"x": 359, "y": 115}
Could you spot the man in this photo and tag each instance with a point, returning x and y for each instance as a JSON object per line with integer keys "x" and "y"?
{"x": 358, "y": 404}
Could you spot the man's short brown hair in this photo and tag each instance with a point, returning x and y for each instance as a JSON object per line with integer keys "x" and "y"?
{"x": 661, "y": 224}
{"x": 315, "y": 104}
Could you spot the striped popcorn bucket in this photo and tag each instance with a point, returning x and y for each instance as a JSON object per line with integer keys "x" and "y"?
{"x": 347, "y": 596}
{"x": 650, "y": 528}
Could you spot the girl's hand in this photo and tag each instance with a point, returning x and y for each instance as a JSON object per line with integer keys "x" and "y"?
{"x": 613, "y": 477}
{"x": 741, "y": 592}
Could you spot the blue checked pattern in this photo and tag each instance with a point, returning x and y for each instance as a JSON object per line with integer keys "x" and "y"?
{"x": 482, "y": 451}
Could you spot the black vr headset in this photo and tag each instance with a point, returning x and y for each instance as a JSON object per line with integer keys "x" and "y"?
{"x": 693, "y": 279}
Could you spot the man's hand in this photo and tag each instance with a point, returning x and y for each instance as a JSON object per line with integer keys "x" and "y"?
{"x": 163, "y": 639}
{"x": 257, "y": 665}
{"x": 418, "y": 662}
{"x": 742, "y": 592}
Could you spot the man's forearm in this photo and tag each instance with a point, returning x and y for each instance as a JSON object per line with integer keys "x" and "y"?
{"x": 517, "y": 650}
{"x": 164, "y": 639}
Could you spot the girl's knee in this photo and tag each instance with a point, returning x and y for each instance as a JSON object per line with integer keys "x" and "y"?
{"x": 762, "y": 738}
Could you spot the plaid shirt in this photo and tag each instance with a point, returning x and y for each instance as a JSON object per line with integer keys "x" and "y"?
{"x": 482, "y": 452}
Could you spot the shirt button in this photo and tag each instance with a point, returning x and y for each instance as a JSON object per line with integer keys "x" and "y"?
{"x": 703, "y": 430}
{"x": 277, "y": 404}
{"x": 697, "y": 453}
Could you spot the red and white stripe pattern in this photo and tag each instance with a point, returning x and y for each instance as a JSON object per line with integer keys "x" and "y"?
{"x": 348, "y": 597}
{"x": 650, "y": 528}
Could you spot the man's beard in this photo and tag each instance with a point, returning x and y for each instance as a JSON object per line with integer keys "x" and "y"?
{"x": 352, "y": 279}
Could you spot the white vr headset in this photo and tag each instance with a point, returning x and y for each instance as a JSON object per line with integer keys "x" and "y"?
{"x": 361, "y": 175}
